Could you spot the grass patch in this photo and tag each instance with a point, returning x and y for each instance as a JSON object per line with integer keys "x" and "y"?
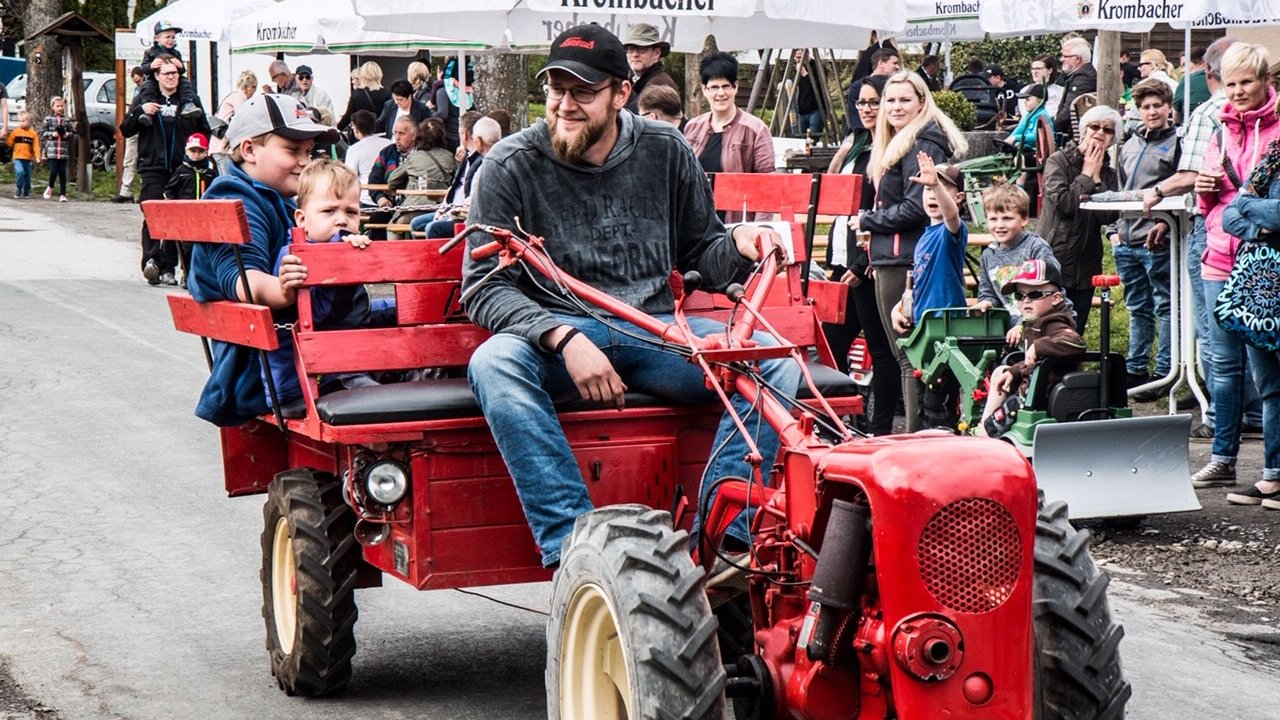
{"x": 104, "y": 183}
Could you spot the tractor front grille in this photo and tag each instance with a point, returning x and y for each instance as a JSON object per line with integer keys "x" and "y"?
{"x": 970, "y": 555}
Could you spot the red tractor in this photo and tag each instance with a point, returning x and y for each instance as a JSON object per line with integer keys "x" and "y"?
{"x": 911, "y": 576}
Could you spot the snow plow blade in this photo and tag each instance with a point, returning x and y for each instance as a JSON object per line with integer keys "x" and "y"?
{"x": 1116, "y": 468}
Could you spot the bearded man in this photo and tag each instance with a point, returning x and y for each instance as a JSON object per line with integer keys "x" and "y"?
{"x": 621, "y": 201}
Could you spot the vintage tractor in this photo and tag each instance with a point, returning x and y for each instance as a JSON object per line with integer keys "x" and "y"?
{"x": 905, "y": 577}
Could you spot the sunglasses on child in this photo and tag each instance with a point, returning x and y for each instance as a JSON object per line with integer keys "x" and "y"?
{"x": 1031, "y": 295}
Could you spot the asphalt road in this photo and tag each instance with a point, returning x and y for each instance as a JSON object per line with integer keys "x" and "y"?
{"x": 129, "y": 582}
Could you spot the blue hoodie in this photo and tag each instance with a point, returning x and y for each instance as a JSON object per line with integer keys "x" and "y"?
{"x": 234, "y": 393}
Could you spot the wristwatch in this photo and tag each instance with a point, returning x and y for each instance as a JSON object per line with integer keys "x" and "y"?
{"x": 1159, "y": 192}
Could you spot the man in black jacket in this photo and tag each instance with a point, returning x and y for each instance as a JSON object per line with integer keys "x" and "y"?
{"x": 160, "y": 152}
{"x": 1078, "y": 78}
{"x": 401, "y": 104}
{"x": 644, "y": 55}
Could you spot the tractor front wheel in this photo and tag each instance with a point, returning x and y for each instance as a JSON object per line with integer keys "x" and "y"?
{"x": 1077, "y": 662}
{"x": 631, "y": 633}
{"x": 309, "y": 563}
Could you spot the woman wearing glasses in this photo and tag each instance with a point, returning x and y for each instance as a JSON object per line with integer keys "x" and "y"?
{"x": 1044, "y": 72}
{"x": 909, "y": 123}
{"x": 850, "y": 263}
{"x": 726, "y": 139}
{"x": 1071, "y": 175}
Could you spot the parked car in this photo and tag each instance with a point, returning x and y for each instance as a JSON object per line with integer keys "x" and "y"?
{"x": 99, "y": 105}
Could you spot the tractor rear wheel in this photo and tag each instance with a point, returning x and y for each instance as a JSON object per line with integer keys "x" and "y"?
{"x": 1077, "y": 660}
{"x": 309, "y": 563}
{"x": 631, "y": 633}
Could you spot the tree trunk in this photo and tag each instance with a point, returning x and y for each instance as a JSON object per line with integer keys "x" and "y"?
{"x": 1106, "y": 59}
{"x": 696, "y": 103}
{"x": 44, "y": 59}
{"x": 502, "y": 82}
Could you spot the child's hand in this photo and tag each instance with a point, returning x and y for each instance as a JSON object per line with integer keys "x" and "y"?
{"x": 928, "y": 175}
{"x": 292, "y": 273}
{"x": 1002, "y": 379}
{"x": 1014, "y": 337}
{"x": 901, "y": 323}
{"x": 981, "y": 306}
{"x": 359, "y": 241}
{"x": 1031, "y": 354}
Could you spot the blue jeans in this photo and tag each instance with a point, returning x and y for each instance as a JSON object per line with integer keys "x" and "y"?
{"x": 1266, "y": 375}
{"x": 811, "y": 122}
{"x": 1145, "y": 275}
{"x": 1227, "y": 383}
{"x": 22, "y": 178}
{"x": 517, "y": 385}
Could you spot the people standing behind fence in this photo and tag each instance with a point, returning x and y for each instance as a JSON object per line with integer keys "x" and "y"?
{"x": 246, "y": 86}
{"x": 645, "y": 50}
{"x": 662, "y": 103}
{"x": 726, "y": 139}
{"x": 129, "y": 172}
{"x": 1044, "y": 72}
{"x": 849, "y": 263}
{"x": 909, "y": 123}
{"x": 363, "y": 153}
{"x": 24, "y": 145}
{"x": 1249, "y": 126}
{"x": 307, "y": 93}
{"x": 401, "y": 105}
{"x": 454, "y": 98}
{"x": 1147, "y": 158}
{"x": 56, "y": 135}
{"x": 367, "y": 93}
{"x": 1079, "y": 77}
{"x": 1071, "y": 175}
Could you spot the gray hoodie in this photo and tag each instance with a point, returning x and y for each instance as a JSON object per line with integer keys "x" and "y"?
{"x": 998, "y": 265}
{"x": 1146, "y": 158}
{"x": 620, "y": 227}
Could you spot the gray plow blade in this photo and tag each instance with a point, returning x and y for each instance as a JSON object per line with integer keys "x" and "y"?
{"x": 1114, "y": 468}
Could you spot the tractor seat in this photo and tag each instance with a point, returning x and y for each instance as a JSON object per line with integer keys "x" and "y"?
{"x": 1075, "y": 394}
{"x": 450, "y": 398}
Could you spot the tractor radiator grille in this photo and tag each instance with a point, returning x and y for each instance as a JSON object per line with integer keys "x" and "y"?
{"x": 970, "y": 555}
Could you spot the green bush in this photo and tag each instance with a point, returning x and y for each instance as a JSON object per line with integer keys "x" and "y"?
{"x": 958, "y": 108}
{"x": 1013, "y": 54}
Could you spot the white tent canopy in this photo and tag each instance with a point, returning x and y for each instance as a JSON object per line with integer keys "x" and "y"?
{"x": 1009, "y": 17}
{"x": 326, "y": 26}
{"x": 931, "y": 21}
{"x": 736, "y": 24}
{"x": 199, "y": 19}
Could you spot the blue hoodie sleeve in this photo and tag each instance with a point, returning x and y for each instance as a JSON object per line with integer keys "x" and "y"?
{"x": 1248, "y": 215}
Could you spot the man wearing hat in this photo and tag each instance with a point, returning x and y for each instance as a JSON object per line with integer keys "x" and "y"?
{"x": 270, "y": 140}
{"x": 306, "y": 93}
{"x": 645, "y": 51}
{"x": 1003, "y": 94}
{"x": 621, "y": 201}
{"x": 161, "y": 130}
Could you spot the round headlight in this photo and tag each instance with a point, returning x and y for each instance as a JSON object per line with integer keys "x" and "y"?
{"x": 386, "y": 482}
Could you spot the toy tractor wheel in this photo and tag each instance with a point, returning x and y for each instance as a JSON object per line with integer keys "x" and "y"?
{"x": 1077, "y": 663}
{"x": 309, "y": 563}
{"x": 631, "y": 633}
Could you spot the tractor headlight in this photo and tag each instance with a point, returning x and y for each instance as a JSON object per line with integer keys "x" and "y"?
{"x": 386, "y": 482}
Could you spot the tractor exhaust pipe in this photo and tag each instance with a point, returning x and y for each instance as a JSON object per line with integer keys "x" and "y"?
{"x": 839, "y": 577}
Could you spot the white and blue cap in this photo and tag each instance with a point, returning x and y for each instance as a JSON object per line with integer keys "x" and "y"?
{"x": 279, "y": 114}
{"x": 164, "y": 25}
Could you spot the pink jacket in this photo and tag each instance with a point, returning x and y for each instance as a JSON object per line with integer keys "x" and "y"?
{"x": 747, "y": 148}
{"x": 1244, "y": 140}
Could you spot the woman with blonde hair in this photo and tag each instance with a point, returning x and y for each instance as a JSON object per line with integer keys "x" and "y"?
{"x": 366, "y": 94}
{"x": 909, "y": 123}
{"x": 246, "y": 86}
{"x": 420, "y": 78}
{"x": 1152, "y": 64}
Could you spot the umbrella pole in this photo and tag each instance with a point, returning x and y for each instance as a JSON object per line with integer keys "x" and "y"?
{"x": 762, "y": 72}
{"x": 1186, "y": 74}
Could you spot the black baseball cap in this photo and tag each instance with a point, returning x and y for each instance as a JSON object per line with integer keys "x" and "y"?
{"x": 995, "y": 70}
{"x": 1035, "y": 90}
{"x": 303, "y": 70}
{"x": 589, "y": 53}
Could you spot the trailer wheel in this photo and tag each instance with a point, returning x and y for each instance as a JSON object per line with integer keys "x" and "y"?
{"x": 1077, "y": 659}
{"x": 309, "y": 562}
{"x": 631, "y": 633}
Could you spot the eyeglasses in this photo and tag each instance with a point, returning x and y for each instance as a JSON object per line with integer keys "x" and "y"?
{"x": 1145, "y": 63}
{"x": 171, "y": 73}
{"x": 718, "y": 88}
{"x": 1031, "y": 295}
{"x": 1104, "y": 129}
{"x": 1039, "y": 67}
{"x": 867, "y": 103}
{"x": 582, "y": 95}
{"x": 303, "y": 76}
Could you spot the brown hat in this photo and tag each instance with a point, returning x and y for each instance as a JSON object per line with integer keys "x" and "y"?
{"x": 951, "y": 175}
{"x": 645, "y": 35}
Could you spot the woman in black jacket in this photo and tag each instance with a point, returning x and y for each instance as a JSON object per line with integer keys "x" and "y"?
{"x": 367, "y": 93}
{"x": 909, "y": 123}
{"x": 401, "y": 103}
{"x": 849, "y": 263}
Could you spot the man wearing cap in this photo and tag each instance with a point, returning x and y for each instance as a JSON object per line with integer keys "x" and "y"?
{"x": 160, "y": 153}
{"x": 1003, "y": 94}
{"x": 585, "y": 179}
{"x": 306, "y": 93}
{"x": 645, "y": 51}
{"x": 270, "y": 140}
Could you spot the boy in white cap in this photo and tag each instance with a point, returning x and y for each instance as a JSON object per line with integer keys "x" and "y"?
{"x": 270, "y": 139}
{"x": 164, "y": 47}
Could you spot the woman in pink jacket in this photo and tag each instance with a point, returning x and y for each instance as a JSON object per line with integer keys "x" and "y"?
{"x": 1249, "y": 124}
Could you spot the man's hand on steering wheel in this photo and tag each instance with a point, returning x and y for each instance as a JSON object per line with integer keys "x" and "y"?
{"x": 747, "y": 238}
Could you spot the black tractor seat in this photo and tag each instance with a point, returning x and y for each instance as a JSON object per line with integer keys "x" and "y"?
{"x": 451, "y": 398}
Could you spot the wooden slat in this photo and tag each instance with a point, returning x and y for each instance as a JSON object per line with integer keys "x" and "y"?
{"x": 427, "y": 303}
{"x": 210, "y": 221}
{"x": 398, "y": 348}
{"x": 840, "y": 194}
{"x": 233, "y": 322}
{"x": 381, "y": 262}
{"x": 762, "y": 192}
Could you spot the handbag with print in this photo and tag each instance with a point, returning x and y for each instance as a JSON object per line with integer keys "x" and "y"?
{"x": 1249, "y": 305}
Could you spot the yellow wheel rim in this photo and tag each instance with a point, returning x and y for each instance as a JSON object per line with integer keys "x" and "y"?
{"x": 594, "y": 679}
{"x": 284, "y": 586}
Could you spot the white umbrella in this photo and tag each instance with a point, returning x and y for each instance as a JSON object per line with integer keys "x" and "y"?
{"x": 199, "y": 19}
{"x": 1020, "y": 17}
{"x": 931, "y": 21}
{"x": 736, "y": 24}
{"x": 325, "y": 26}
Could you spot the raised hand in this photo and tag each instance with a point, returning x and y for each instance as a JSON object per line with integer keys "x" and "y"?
{"x": 928, "y": 175}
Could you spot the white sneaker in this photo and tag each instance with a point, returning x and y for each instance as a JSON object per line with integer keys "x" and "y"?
{"x": 48, "y": 193}
{"x": 62, "y": 198}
